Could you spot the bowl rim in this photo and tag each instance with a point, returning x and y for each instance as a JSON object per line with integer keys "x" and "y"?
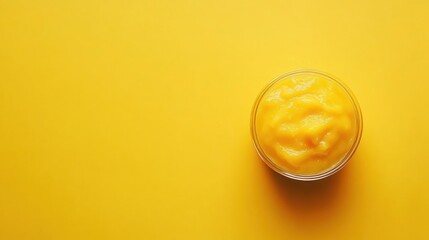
{"x": 340, "y": 164}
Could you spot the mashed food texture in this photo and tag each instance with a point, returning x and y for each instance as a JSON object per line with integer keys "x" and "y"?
{"x": 305, "y": 123}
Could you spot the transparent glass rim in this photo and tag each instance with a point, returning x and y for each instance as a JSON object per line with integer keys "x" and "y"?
{"x": 330, "y": 171}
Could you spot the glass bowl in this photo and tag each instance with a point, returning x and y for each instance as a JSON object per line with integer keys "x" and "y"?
{"x": 335, "y": 167}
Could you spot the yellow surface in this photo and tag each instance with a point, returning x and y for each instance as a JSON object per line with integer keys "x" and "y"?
{"x": 306, "y": 123}
{"x": 130, "y": 119}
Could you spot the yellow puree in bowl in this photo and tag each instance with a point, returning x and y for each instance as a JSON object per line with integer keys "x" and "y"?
{"x": 306, "y": 123}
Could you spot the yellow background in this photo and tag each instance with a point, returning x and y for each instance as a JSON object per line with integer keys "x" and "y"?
{"x": 130, "y": 119}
